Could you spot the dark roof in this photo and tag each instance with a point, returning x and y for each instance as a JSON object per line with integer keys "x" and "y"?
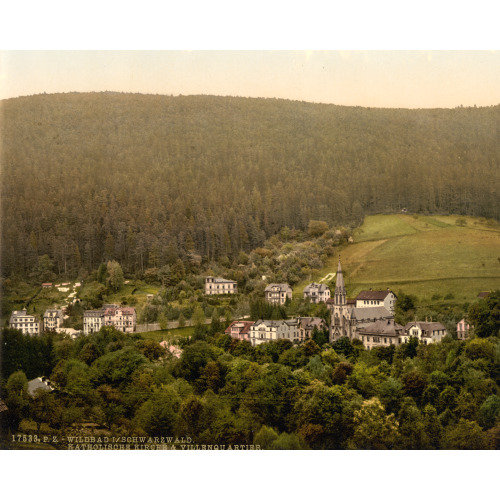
{"x": 373, "y": 294}
{"x": 339, "y": 283}
{"x": 284, "y": 287}
{"x": 319, "y": 286}
{"x": 370, "y": 313}
{"x": 382, "y": 327}
{"x": 482, "y": 295}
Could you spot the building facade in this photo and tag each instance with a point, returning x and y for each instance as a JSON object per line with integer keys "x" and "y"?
{"x": 263, "y": 331}
{"x": 220, "y": 286}
{"x": 381, "y": 333}
{"x": 239, "y": 330}
{"x": 426, "y": 332}
{"x": 377, "y": 298}
{"x": 316, "y": 292}
{"x": 28, "y": 324}
{"x": 121, "y": 318}
{"x": 463, "y": 330}
{"x": 93, "y": 321}
{"x": 277, "y": 293}
{"x": 52, "y": 319}
{"x": 307, "y": 326}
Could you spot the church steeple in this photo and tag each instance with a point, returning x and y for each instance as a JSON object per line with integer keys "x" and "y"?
{"x": 340, "y": 292}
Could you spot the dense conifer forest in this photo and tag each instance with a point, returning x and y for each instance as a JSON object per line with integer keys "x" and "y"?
{"x": 150, "y": 180}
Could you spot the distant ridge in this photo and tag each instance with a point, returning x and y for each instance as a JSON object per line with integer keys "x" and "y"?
{"x": 150, "y": 180}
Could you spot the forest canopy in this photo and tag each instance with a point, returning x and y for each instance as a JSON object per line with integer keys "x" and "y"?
{"x": 149, "y": 181}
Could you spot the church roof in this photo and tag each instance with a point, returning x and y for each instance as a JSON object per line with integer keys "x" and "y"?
{"x": 362, "y": 314}
{"x": 340, "y": 278}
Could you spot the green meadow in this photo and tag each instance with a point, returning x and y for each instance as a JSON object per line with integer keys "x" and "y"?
{"x": 451, "y": 257}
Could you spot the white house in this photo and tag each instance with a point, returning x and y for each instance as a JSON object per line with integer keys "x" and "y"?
{"x": 316, "y": 292}
{"x": 93, "y": 321}
{"x": 219, "y": 286}
{"x": 52, "y": 319}
{"x": 122, "y": 318}
{"x": 263, "y": 331}
{"x": 427, "y": 332}
{"x": 381, "y": 333}
{"x": 28, "y": 324}
{"x": 277, "y": 293}
{"x": 376, "y": 298}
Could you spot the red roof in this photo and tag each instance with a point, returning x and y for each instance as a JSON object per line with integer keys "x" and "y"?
{"x": 245, "y": 329}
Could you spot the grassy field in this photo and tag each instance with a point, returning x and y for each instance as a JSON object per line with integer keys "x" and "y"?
{"x": 419, "y": 255}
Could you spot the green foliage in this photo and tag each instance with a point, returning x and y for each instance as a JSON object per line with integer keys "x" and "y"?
{"x": 374, "y": 430}
{"x": 485, "y": 315}
{"x": 489, "y": 412}
{"x": 317, "y": 228}
{"x": 115, "y": 278}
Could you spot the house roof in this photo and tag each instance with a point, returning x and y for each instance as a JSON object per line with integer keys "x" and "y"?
{"x": 112, "y": 311}
{"x": 426, "y": 326}
{"x": 219, "y": 280}
{"x": 245, "y": 326}
{"x": 308, "y": 323}
{"x": 373, "y": 294}
{"x": 317, "y": 286}
{"x": 382, "y": 327}
{"x": 39, "y": 383}
{"x": 275, "y": 323}
{"x": 284, "y": 287}
{"x": 53, "y": 312}
{"x": 482, "y": 295}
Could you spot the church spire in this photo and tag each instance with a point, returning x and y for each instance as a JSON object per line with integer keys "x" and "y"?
{"x": 340, "y": 292}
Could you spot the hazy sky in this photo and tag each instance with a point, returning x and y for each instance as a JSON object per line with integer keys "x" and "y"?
{"x": 412, "y": 79}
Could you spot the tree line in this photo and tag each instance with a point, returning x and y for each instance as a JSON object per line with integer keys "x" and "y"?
{"x": 312, "y": 396}
{"x": 153, "y": 181}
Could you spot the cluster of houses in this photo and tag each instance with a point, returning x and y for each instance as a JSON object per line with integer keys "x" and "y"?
{"x": 368, "y": 317}
{"x": 296, "y": 330}
{"x": 122, "y": 318}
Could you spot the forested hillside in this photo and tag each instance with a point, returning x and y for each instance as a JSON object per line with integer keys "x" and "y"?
{"x": 154, "y": 180}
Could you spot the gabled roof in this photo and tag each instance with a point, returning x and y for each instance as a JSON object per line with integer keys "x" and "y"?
{"x": 3, "y": 406}
{"x": 284, "y": 287}
{"x": 39, "y": 383}
{"x": 319, "y": 286}
{"x": 482, "y": 295}
{"x": 308, "y": 323}
{"x": 245, "y": 324}
{"x": 427, "y": 327}
{"x": 373, "y": 294}
{"x": 53, "y": 313}
{"x": 381, "y": 327}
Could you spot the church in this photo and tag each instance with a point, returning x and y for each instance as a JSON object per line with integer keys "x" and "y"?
{"x": 354, "y": 318}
